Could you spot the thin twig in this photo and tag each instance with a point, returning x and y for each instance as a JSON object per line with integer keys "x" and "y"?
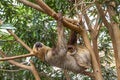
{"x": 14, "y": 62}
{"x": 16, "y": 57}
{"x": 31, "y": 68}
{"x": 5, "y": 70}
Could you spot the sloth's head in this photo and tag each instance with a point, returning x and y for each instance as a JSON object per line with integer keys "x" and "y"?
{"x": 38, "y": 45}
{"x": 39, "y": 49}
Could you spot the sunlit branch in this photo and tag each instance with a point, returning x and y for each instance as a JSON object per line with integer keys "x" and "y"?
{"x": 19, "y": 40}
{"x": 31, "y": 68}
{"x": 33, "y": 5}
{"x": 16, "y": 57}
{"x": 52, "y": 13}
{"x": 14, "y": 62}
{"x": 47, "y": 9}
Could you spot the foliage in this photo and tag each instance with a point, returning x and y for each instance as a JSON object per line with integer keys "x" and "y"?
{"x": 32, "y": 26}
{"x": 106, "y": 52}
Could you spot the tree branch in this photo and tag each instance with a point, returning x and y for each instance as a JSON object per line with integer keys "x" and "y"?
{"x": 53, "y": 14}
{"x": 34, "y": 71}
{"x": 16, "y": 57}
{"x": 28, "y": 3}
{"x": 88, "y": 22}
{"x": 46, "y": 9}
{"x": 96, "y": 67}
{"x": 14, "y": 62}
{"x": 19, "y": 40}
{"x": 102, "y": 15}
{"x": 66, "y": 75}
{"x": 97, "y": 26}
{"x": 31, "y": 68}
{"x": 5, "y": 70}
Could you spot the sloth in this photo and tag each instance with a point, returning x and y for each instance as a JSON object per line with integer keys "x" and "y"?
{"x": 75, "y": 61}
{"x": 72, "y": 57}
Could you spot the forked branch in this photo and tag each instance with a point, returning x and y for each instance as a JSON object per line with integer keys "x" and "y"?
{"x": 47, "y": 10}
{"x": 31, "y": 68}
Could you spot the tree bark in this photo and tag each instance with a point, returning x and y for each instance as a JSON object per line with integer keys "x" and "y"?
{"x": 116, "y": 46}
{"x": 114, "y": 32}
{"x": 96, "y": 67}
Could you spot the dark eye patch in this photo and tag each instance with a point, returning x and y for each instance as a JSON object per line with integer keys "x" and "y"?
{"x": 38, "y": 45}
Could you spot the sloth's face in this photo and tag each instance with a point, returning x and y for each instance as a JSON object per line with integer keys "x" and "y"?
{"x": 38, "y": 45}
{"x": 39, "y": 49}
